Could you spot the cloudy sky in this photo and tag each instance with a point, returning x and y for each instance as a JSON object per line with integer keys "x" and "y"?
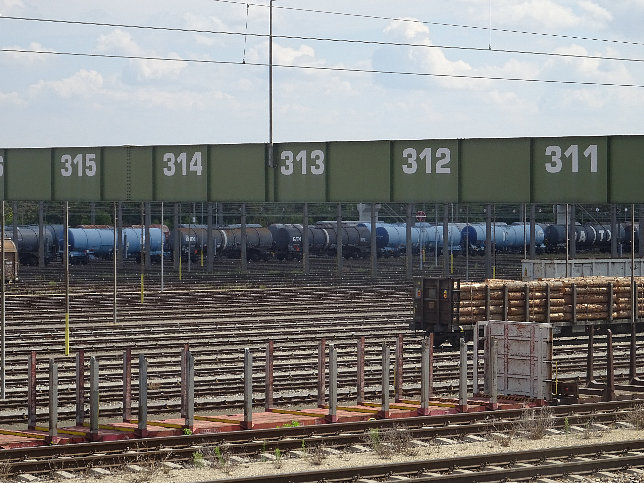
{"x": 167, "y": 72}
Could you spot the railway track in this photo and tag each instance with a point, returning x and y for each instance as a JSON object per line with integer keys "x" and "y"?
{"x": 605, "y": 459}
{"x": 391, "y": 271}
{"x": 218, "y": 320}
{"x": 218, "y": 323}
{"x": 257, "y": 444}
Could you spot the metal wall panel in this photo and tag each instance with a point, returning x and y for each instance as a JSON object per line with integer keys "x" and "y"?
{"x": 495, "y": 170}
{"x": 518, "y": 170}
{"x": 300, "y": 172}
{"x": 127, "y": 173}
{"x": 77, "y": 174}
{"x": 359, "y": 171}
{"x": 570, "y": 170}
{"x": 626, "y": 169}
{"x": 596, "y": 267}
{"x": 425, "y": 171}
{"x": 180, "y": 173}
{"x": 238, "y": 172}
{"x": 28, "y": 174}
{"x": 524, "y": 357}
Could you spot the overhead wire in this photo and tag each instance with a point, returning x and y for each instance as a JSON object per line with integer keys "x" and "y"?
{"x": 328, "y": 39}
{"x": 322, "y": 68}
{"x": 438, "y": 24}
{"x": 324, "y": 39}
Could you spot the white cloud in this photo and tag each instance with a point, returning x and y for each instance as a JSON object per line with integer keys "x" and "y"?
{"x": 287, "y": 55}
{"x": 28, "y": 58}
{"x": 303, "y": 55}
{"x": 594, "y": 70}
{"x": 121, "y": 42}
{"x": 159, "y": 69}
{"x": 588, "y": 99}
{"x": 8, "y": 5}
{"x": 85, "y": 83}
{"x": 634, "y": 3}
{"x": 428, "y": 59}
{"x": 512, "y": 102}
{"x": 11, "y": 98}
{"x": 596, "y": 12}
{"x": 407, "y": 29}
{"x": 206, "y": 23}
{"x": 546, "y": 14}
{"x": 155, "y": 98}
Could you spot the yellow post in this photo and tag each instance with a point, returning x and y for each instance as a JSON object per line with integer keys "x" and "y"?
{"x": 142, "y": 290}
{"x": 556, "y": 378}
{"x": 493, "y": 271}
{"x": 66, "y": 333}
{"x": 202, "y": 256}
{"x": 451, "y": 262}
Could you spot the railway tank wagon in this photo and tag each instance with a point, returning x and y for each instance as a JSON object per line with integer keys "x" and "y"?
{"x": 259, "y": 243}
{"x": 90, "y": 242}
{"x": 391, "y": 239}
{"x": 356, "y": 239}
{"x": 288, "y": 240}
{"x": 27, "y": 243}
{"x": 86, "y": 244}
{"x": 134, "y": 243}
{"x": 431, "y": 236}
{"x": 587, "y": 236}
{"x": 193, "y": 241}
{"x": 517, "y": 236}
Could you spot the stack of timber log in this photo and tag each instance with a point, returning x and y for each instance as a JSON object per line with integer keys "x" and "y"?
{"x": 560, "y": 300}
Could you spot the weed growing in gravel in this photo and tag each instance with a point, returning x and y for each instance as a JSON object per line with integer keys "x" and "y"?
{"x": 391, "y": 441}
{"x": 292, "y": 424}
{"x": 535, "y": 424}
{"x": 635, "y": 416}
{"x": 381, "y": 448}
{"x": 505, "y": 437}
{"x": 198, "y": 459}
{"x": 317, "y": 455}
{"x": 591, "y": 431}
{"x": 151, "y": 473}
{"x": 5, "y": 471}
{"x": 278, "y": 458}
{"x": 502, "y": 438}
{"x": 400, "y": 441}
{"x": 218, "y": 457}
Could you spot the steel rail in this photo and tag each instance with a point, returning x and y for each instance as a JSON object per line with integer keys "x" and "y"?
{"x": 182, "y": 448}
{"x": 474, "y": 466}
